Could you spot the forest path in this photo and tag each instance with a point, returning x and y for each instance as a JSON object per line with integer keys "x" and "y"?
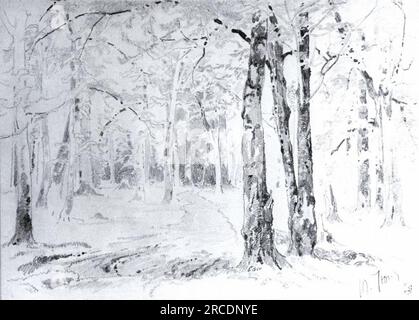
{"x": 144, "y": 243}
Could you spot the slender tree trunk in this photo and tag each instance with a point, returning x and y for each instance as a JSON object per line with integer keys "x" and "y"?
{"x": 379, "y": 169}
{"x": 257, "y": 230}
{"x": 333, "y": 213}
{"x": 168, "y": 149}
{"x": 364, "y": 192}
{"x": 282, "y": 112}
{"x": 393, "y": 208}
{"x": 188, "y": 160}
{"x": 111, "y": 159}
{"x": 176, "y": 161}
{"x": 42, "y": 200}
{"x": 215, "y": 137}
{"x": 85, "y": 160}
{"x": 303, "y": 224}
{"x": 146, "y": 162}
{"x": 13, "y": 176}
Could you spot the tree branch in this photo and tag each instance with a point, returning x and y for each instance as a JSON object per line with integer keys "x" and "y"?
{"x": 241, "y": 34}
{"x": 90, "y": 33}
{"x": 103, "y": 13}
{"x": 46, "y": 35}
{"x": 338, "y": 147}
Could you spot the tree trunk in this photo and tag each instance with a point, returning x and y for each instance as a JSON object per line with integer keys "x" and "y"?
{"x": 379, "y": 169}
{"x": 85, "y": 160}
{"x": 218, "y": 162}
{"x": 146, "y": 164}
{"x": 23, "y": 228}
{"x": 303, "y": 224}
{"x": 176, "y": 160}
{"x": 111, "y": 159}
{"x": 364, "y": 192}
{"x": 333, "y": 213}
{"x": 22, "y": 154}
{"x": 70, "y": 174}
{"x": 168, "y": 149}
{"x": 13, "y": 176}
{"x": 71, "y": 147}
{"x": 188, "y": 161}
{"x": 394, "y": 210}
{"x": 42, "y": 200}
{"x": 282, "y": 112}
{"x": 257, "y": 230}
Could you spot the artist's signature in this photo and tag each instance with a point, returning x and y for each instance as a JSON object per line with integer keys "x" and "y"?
{"x": 383, "y": 282}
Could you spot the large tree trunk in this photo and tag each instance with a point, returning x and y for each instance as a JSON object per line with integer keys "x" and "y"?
{"x": 70, "y": 174}
{"x": 303, "y": 224}
{"x": 168, "y": 148}
{"x": 22, "y": 154}
{"x": 23, "y": 228}
{"x": 282, "y": 112}
{"x": 257, "y": 230}
{"x": 364, "y": 192}
{"x": 73, "y": 109}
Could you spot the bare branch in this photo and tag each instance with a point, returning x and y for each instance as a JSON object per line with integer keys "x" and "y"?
{"x": 46, "y": 35}
{"x": 103, "y": 13}
{"x": 90, "y": 33}
{"x": 338, "y": 146}
{"x": 108, "y": 93}
{"x": 241, "y": 34}
{"x": 46, "y": 11}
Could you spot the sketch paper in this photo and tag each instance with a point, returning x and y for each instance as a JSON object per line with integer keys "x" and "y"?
{"x": 209, "y": 149}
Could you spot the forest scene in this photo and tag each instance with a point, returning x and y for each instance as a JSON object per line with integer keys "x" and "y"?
{"x": 209, "y": 149}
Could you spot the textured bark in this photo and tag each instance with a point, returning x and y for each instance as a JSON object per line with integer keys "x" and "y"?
{"x": 22, "y": 153}
{"x": 303, "y": 224}
{"x": 23, "y": 227}
{"x": 71, "y": 152}
{"x": 257, "y": 230}
{"x": 378, "y": 99}
{"x": 282, "y": 112}
{"x": 42, "y": 200}
{"x": 69, "y": 178}
{"x": 62, "y": 156}
{"x": 364, "y": 192}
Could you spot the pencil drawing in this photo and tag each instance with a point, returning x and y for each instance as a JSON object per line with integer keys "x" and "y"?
{"x": 208, "y": 149}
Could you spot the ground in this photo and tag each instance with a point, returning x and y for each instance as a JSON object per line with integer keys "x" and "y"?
{"x": 119, "y": 246}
